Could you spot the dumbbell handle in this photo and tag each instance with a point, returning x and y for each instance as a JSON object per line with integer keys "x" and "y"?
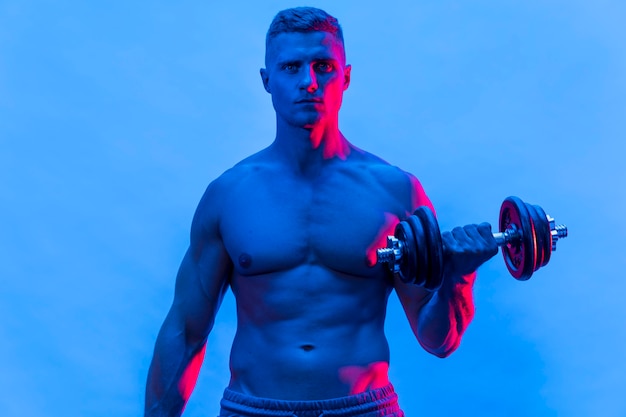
{"x": 512, "y": 235}
{"x": 509, "y": 235}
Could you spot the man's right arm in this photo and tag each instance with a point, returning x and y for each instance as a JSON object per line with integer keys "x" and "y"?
{"x": 201, "y": 283}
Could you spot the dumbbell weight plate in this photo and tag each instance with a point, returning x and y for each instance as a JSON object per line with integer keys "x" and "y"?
{"x": 539, "y": 237}
{"x": 434, "y": 277}
{"x": 408, "y": 266}
{"x": 519, "y": 256}
{"x": 547, "y": 236}
{"x": 421, "y": 253}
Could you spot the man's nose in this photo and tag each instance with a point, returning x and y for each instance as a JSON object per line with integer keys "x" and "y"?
{"x": 309, "y": 80}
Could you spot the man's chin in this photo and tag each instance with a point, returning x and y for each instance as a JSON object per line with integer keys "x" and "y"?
{"x": 309, "y": 121}
{"x": 315, "y": 119}
{"x": 311, "y": 126}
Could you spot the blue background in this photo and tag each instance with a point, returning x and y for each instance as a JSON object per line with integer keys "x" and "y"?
{"x": 114, "y": 116}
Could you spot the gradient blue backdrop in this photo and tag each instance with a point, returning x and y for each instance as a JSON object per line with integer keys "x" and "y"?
{"x": 114, "y": 116}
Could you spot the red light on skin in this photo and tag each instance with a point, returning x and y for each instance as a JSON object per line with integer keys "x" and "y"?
{"x": 365, "y": 378}
{"x": 337, "y": 149}
{"x": 419, "y": 197}
{"x": 332, "y": 147}
{"x": 380, "y": 241}
{"x": 190, "y": 375}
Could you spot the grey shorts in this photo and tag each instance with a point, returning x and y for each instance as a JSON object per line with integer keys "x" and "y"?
{"x": 381, "y": 402}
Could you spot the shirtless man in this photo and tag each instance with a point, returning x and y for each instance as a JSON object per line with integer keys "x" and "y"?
{"x": 293, "y": 231}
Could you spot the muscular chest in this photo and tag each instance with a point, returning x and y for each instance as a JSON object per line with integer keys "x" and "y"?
{"x": 274, "y": 224}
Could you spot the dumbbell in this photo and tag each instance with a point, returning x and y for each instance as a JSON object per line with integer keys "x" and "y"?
{"x": 527, "y": 237}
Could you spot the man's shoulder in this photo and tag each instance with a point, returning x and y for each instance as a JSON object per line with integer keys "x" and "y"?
{"x": 216, "y": 196}
{"x": 243, "y": 169}
{"x": 230, "y": 181}
{"x": 382, "y": 170}
{"x": 403, "y": 185}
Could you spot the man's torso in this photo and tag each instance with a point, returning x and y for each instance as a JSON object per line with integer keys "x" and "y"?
{"x": 310, "y": 300}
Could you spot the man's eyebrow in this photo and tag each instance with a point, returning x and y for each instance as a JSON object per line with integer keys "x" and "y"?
{"x": 325, "y": 58}
{"x": 298, "y": 60}
{"x": 281, "y": 62}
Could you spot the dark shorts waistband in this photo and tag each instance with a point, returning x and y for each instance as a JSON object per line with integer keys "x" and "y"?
{"x": 381, "y": 402}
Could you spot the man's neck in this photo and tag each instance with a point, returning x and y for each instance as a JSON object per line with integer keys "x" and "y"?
{"x": 307, "y": 150}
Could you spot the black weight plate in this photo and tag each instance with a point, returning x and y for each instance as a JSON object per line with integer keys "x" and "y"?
{"x": 408, "y": 261}
{"x": 423, "y": 245}
{"x": 422, "y": 249}
{"x": 538, "y": 235}
{"x": 435, "y": 247}
{"x": 518, "y": 256}
{"x": 545, "y": 230}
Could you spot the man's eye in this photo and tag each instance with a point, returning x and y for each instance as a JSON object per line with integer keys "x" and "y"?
{"x": 290, "y": 67}
{"x": 324, "y": 67}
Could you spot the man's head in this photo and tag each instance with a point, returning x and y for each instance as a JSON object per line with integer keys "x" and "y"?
{"x": 306, "y": 71}
{"x": 303, "y": 20}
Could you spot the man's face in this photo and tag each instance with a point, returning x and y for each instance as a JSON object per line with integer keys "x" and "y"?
{"x": 306, "y": 75}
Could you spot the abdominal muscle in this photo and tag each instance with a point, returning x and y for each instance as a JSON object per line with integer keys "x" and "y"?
{"x": 309, "y": 334}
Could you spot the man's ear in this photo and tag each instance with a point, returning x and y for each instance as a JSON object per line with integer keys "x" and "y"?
{"x": 266, "y": 80}
{"x": 346, "y": 76}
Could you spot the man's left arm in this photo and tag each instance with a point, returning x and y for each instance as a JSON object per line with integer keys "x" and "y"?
{"x": 439, "y": 318}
